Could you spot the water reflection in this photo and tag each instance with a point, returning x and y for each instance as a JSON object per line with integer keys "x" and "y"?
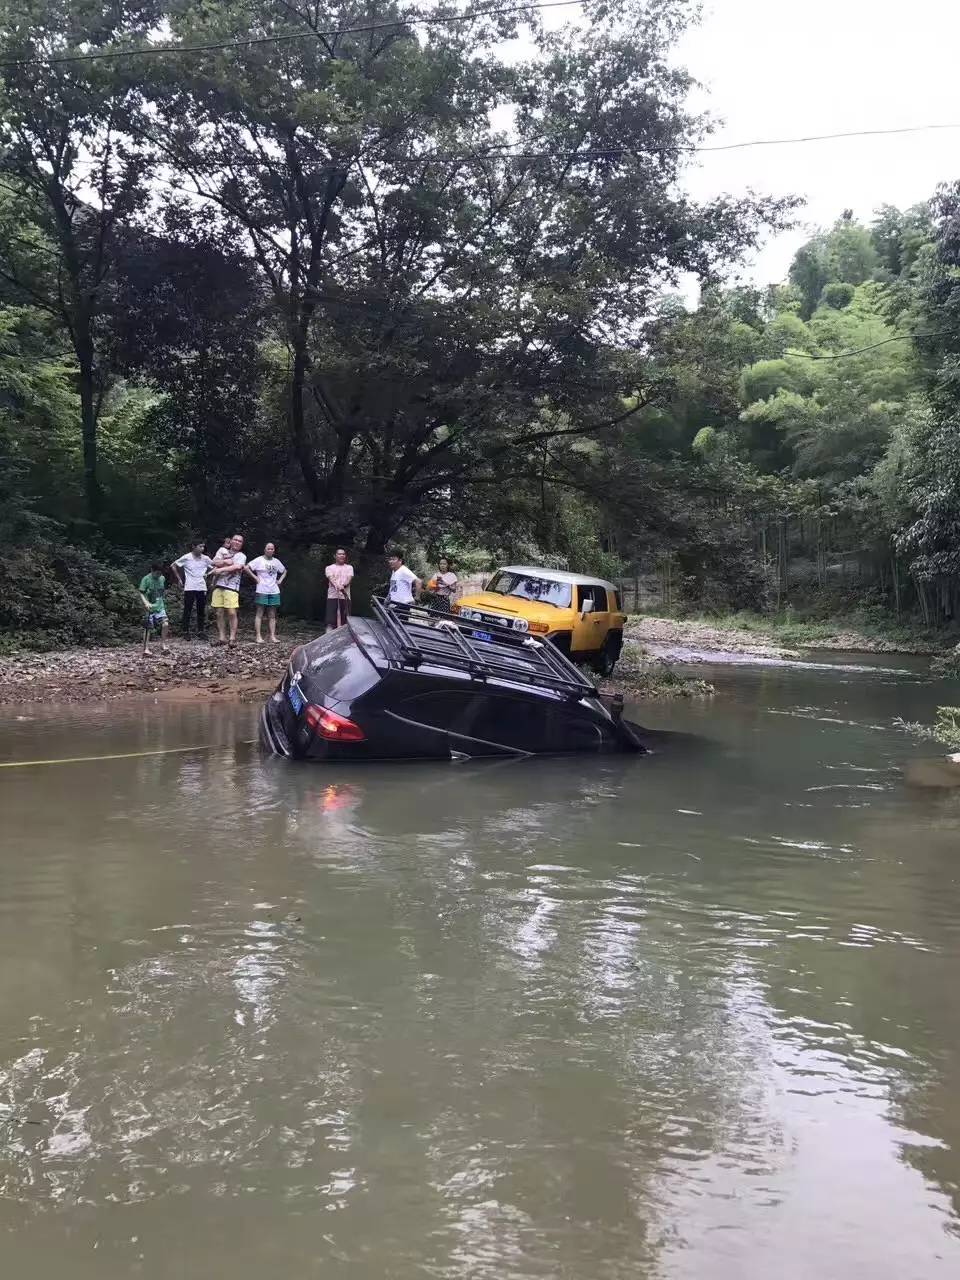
{"x": 681, "y": 1016}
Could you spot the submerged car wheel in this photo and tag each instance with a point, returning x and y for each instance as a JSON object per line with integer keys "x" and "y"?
{"x": 606, "y": 659}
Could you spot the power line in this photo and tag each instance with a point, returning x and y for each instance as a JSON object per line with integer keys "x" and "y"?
{"x": 857, "y": 351}
{"x": 825, "y": 137}
{"x": 604, "y": 152}
{"x": 506, "y": 153}
{"x": 159, "y": 50}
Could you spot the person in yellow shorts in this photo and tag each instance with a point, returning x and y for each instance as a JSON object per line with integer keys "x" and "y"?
{"x": 226, "y": 588}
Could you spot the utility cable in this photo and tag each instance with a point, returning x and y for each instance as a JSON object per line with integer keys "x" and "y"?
{"x": 602, "y": 153}
{"x": 857, "y": 351}
{"x": 825, "y": 137}
{"x": 160, "y": 50}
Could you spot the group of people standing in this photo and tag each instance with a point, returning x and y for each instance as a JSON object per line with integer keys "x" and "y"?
{"x": 405, "y": 586}
{"x": 219, "y": 579}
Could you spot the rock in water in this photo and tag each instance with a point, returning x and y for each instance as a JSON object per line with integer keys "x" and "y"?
{"x": 941, "y": 774}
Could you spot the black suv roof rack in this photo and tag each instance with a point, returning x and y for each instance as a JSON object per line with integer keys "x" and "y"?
{"x": 448, "y": 640}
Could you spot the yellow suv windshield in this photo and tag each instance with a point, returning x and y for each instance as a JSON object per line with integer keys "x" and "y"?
{"x": 527, "y": 587}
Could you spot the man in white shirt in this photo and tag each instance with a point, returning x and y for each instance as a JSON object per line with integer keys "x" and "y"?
{"x": 405, "y": 586}
{"x": 226, "y": 589}
{"x": 339, "y": 577}
{"x": 191, "y": 572}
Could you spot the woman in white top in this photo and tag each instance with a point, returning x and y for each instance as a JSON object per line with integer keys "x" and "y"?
{"x": 268, "y": 573}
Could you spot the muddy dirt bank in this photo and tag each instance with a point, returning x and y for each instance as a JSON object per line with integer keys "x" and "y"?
{"x": 189, "y": 671}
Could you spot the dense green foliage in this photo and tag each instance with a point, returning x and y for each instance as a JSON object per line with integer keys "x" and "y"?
{"x": 819, "y": 420}
{"x": 313, "y": 288}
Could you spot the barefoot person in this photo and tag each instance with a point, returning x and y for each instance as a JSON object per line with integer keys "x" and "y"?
{"x": 405, "y": 586}
{"x": 226, "y": 589}
{"x": 339, "y": 577}
{"x": 191, "y": 572}
{"x": 152, "y": 588}
{"x": 268, "y": 573}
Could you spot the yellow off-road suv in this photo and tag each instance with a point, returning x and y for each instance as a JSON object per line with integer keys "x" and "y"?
{"x": 582, "y": 616}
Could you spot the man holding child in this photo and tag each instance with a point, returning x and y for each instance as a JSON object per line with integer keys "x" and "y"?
{"x": 227, "y": 567}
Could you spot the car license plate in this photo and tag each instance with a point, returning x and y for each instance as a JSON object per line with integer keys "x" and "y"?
{"x": 297, "y": 700}
{"x": 481, "y": 635}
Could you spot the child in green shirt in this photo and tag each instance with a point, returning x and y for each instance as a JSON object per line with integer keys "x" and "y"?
{"x": 152, "y": 588}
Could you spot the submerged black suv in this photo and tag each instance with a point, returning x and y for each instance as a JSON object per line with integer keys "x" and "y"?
{"x": 415, "y": 683}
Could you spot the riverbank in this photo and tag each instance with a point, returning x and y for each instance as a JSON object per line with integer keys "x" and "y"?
{"x": 190, "y": 670}
{"x": 642, "y": 674}
{"x": 197, "y": 671}
{"x": 692, "y": 640}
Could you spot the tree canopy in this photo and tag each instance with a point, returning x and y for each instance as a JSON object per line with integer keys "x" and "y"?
{"x": 349, "y": 275}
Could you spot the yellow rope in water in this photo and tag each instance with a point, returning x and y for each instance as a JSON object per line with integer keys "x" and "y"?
{"x": 124, "y": 755}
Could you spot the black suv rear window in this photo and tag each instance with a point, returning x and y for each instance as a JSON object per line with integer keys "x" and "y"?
{"x": 337, "y": 669}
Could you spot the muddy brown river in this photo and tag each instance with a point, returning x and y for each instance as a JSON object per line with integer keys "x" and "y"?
{"x": 693, "y": 1017}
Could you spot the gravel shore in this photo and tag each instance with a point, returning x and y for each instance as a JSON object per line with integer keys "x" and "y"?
{"x": 695, "y": 641}
{"x": 191, "y": 669}
{"x": 198, "y": 670}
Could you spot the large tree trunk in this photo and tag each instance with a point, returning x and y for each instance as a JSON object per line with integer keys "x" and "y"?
{"x": 782, "y": 567}
{"x": 88, "y": 431}
{"x": 298, "y": 428}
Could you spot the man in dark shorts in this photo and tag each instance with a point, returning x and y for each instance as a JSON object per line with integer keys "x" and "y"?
{"x": 339, "y": 577}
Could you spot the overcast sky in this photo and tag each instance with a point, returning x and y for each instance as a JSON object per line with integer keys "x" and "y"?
{"x": 773, "y": 69}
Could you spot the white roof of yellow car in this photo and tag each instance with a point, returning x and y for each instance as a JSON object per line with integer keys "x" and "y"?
{"x": 557, "y": 575}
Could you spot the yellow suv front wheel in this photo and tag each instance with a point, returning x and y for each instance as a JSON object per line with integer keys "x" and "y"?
{"x": 609, "y": 654}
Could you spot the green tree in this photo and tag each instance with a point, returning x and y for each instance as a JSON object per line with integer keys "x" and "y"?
{"x": 452, "y": 296}
{"x": 899, "y": 238}
{"x": 851, "y": 252}
{"x": 929, "y": 453}
{"x": 822, "y": 412}
{"x": 72, "y": 168}
{"x": 187, "y": 318}
{"x": 846, "y": 255}
{"x": 810, "y": 272}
